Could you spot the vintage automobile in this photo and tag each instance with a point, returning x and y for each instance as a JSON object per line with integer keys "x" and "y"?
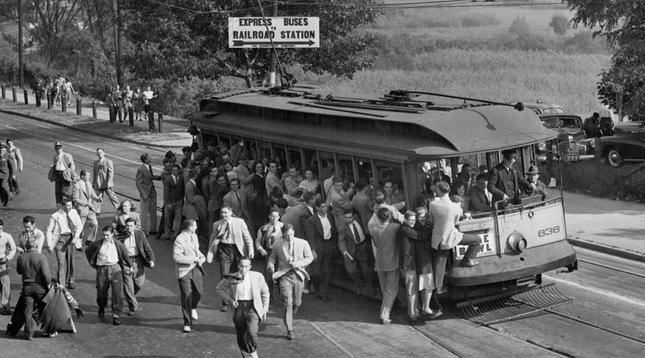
{"x": 571, "y": 144}
{"x": 627, "y": 144}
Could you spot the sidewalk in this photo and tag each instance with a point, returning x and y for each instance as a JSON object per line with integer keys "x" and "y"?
{"x": 174, "y": 135}
{"x": 605, "y": 225}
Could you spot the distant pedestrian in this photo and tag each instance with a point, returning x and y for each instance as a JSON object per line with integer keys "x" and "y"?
{"x": 103, "y": 179}
{"x": 148, "y": 194}
{"x": 17, "y": 157}
{"x": 188, "y": 267}
{"x": 117, "y": 102}
{"x": 141, "y": 256}
{"x": 111, "y": 260}
{"x": 173, "y": 195}
{"x": 62, "y": 162}
{"x": 128, "y": 106}
{"x": 84, "y": 197}
{"x": 30, "y": 231}
{"x": 248, "y": 294}
{"x": 148, "y": 95}
{"x": 69, "y": 90}
{"x": 7, "y": 252}
{"x": 33, "y": 267}
{"x": 7, "y": 174}
{"x": 63, "y": 230}
{"x": 137, "y": 100}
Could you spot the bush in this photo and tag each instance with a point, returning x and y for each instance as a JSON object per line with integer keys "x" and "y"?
{"x": 519, "y": 27}
{"x": 560, "y": 24}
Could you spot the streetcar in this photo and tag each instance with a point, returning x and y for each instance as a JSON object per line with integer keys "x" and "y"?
{"x": 398, "y": 137}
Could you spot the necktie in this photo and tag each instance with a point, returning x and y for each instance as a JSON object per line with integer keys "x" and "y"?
{"x": 70, "y": 224}
{"x": 269, "y": 240}
{"x": 150, "y": 167}
{"x": 289, "y": 247}
{"x": 357, "y": 236}
{"x": 487, "y": 199}
{"x": 239, "y": 201}
{"x": 227, "y": 232}
{"x": 174, "y": 179}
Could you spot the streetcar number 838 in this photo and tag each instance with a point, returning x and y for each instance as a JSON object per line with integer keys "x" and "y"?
{"x": 549, "y": 231}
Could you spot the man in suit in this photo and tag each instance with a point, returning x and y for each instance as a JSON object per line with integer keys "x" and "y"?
{"x": 218, "y": 188}
{"x": 395, "y": 199}
{"x": 7, "y": 173}
{"x": 62, "y": 161}
{"x": 322, "y": 236}
{"x": 238, "y": 200}
{"x": 104, "y": 179}
{"x": 340, "y": 200}
{"x": 267, "y": 235}
{"x": 188, "y": 267}
{"x": 33, "y": 267}
{"x": 363, "y": 203}
{"x": 144, "y": 180}
{"x": 504, "y": 181}
{"x": 141, "y": 256}
{"x": 82, "y": 197}
{"x": 229, "y": 242}
{"x": 298, "y": 215}
{"x": 173, "y": 194}
{"x": 111, "y": 260}
{"x": 354, "y": 245}
{"x": 247, "y": 292}
{"x": 194, "y": 203}
{"x": 272, "y": 179}
{"x": 480, "y": 198}
{"x": 287, "y": 263}
{"x": 63, "y": 230}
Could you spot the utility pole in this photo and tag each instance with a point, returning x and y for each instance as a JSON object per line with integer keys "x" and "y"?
{"x": 272, "y": 65}
{"x": 20, "y": 49}
{"x": 118, "y": 24}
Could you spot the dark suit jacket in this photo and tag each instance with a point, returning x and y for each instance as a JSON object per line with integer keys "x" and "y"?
{"x": 297, "y": 216}
{"x": 144, "y": 181}
{"x": 7, "y": 166}
{"x": 315, "y": 235}
{"x": 478, "y": 201}
{"x": 497, "y": 182}
{"x": 173, "y": 193}
{"x": 33, "y": 267}
{"x": 93, "y": 251}
{"x": 144, "y": 247}
{"x": 346, "y": 239}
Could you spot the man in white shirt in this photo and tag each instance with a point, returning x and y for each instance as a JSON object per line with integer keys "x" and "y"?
{"x": 141, "y": 255}
{"x": 7, "y": 252}
{"x": 111, "y": 261}
{"x": 322, "y": 236}
{"x": 30, "y": 230}
{"x": 248, "y": 294}
{"x": 64, "y": 229}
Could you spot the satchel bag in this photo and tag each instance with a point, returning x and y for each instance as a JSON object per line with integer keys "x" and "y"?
{"x": 453, "y": 238}
{"x": 52, "y": 174}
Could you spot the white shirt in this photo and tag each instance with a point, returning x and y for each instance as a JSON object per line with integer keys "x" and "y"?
{"x": 108, "y": 255}
{"x": 243, "y": 289}
{"x": 131, "y": 245}
{"x": 326, "y": 227}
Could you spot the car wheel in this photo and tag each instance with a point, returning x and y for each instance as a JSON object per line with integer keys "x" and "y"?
{"x": 614, "y": 158}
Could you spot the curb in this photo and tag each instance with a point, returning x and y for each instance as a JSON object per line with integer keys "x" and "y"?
{"x": 84, "y": 130}
{"x": 611, "y": 250}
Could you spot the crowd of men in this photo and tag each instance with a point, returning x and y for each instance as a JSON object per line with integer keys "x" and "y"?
{"x": 294, "y": 225}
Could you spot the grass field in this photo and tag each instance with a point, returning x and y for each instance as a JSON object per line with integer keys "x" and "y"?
{"x": 483, "y": 71}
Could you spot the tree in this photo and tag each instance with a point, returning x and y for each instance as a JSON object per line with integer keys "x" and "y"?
{"x": 560, "y": 24}
{"x": 189, "y": 38}
{"x": 519, "y": 27}
{"x": 622, "y": 23}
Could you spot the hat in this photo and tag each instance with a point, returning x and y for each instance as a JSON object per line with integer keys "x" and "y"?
{"x": 57, "y": 145}
{"x": 170, "y": 154}
{"x": 533, "y": 170}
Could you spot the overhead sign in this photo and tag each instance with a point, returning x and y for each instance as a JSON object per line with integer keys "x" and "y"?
{"x": 256, "y": 32}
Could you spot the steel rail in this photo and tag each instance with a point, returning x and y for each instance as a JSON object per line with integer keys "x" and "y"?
{"x": 612, "y": 268}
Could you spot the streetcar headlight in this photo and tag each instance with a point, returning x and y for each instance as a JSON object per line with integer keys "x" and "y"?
{"x": 517, "y": 242}
{"x": 542, "y": 147}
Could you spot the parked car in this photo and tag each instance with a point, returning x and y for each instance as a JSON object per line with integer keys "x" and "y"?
{"x": 571, "y": 144}
{"x": 540, "y": 107}
{"x": 627, "y": 144}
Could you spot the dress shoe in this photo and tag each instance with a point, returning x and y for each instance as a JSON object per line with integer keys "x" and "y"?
{"x": 468, "y": 263}
{"x": 5, "y": 310}
{"x": 101, "y": 311}
{"x": 224, "y": 308}
{"x": 290, "y": 336}
{"x": 52, "y": 334}
{"x": 432, "y": 314}
{"x": 71, "y": 285}
{"x": 440, "y": 290}
{"x": 116, "y": 321}
{"x": 416, "y": 321}
{"x": 131, "y": 313}
{"x": 193, "y": 314}
{"x": 385, "y": 321}
{"x": 324, "y": 298}
{"x": 186, "y": 329}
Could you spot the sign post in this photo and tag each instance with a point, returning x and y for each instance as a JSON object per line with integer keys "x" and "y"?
{"x": 286, "y": 32}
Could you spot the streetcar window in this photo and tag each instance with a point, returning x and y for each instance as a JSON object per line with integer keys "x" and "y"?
{"x": 364, "y": 169}
{"x": 327, "y": 168}
{"x": 294, "y": 157}
{"x": 263, "y": 151}
{"x": 346, "y": 169}
{"x": 224, "y": 139}
{"x": 390, "y": 177}
{"x": 311, "y": 161}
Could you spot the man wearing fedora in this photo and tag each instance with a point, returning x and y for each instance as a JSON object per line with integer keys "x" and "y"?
{"x": 7, "y": 172}
{"x": 533, "y": 175}
{"x": 62, "y": 162}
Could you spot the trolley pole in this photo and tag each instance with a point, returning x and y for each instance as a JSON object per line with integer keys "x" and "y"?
{"x": 20, "y": 49}
{"x": 272, "y": 65}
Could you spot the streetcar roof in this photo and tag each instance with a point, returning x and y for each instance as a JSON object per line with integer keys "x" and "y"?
{"x": 448, "y": 129}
